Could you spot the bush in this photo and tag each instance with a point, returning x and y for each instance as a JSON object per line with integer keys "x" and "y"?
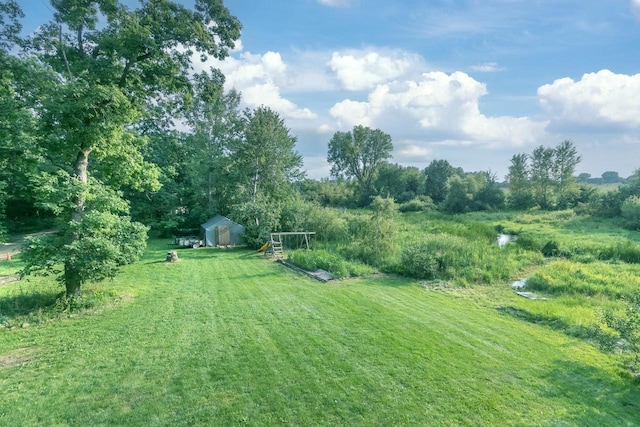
{"x": 550, "y": 249}
{"x": 439, "y": 256}
{"x": 329, "y": 261}
{"x": 418, "y": 263}
{"x": 630, "y": 210}
{"x": 422, "y": 204}
{"x": 626, "y": 251}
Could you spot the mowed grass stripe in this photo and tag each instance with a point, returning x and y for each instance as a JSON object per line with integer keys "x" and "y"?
{"x": 225, "y": 338}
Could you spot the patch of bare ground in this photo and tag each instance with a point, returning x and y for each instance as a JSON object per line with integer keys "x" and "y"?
{"x": 5, "y": 280}
{"x": 17, "y": 357}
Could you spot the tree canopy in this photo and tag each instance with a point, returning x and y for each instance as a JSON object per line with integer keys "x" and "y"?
{"x": 358, "y": 154}
{"x": 115, "y": 66}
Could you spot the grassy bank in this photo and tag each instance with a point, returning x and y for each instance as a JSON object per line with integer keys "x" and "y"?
{"x": 227, "y": 338}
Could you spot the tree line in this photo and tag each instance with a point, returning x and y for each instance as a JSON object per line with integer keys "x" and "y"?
{"x": 89, "y": 144}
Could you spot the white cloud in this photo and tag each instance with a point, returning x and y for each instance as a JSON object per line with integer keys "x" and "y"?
{"x": 487, "y": 67}
{"x": 260, "y": 77}
{"x": 438, "y": 107}
{"x": 599, "y": 101}
{"x": 412, "y": 152}
{"x": 334, "y": 3}
{"x": 363, "y": 70}
{"x": 237, "y": 47}
{"x": 635, "y": 8}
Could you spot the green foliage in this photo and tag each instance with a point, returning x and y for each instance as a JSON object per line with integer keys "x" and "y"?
{"x": 259, "y": 218}
{"x": 457, "y": 199}
{"x": 626, "y": 325}
{"x": 264, "y": 161}
{"x": 626, "y": 251}
{"x": 437, "y": 176}
{"x": 520, "y": 195}
{"x": 94, "y": 248}
{"x": 420, "y": 204}
{"x": 328, "y": 224}
{"x": 328, "y": 261}
{"x": 630, "y": 211}
{"x": 462, "y": 261}
{"x": 359, "y": 155}
{"x": 593, "y": 279}
{"x": 397, "y": 181}
{"x": 550, "y": 249}
{"x": 417, "y": 261}
{"x": 373, "y": 237}
{"x": 110, "y": 78}
{"x": 547, "y": 181}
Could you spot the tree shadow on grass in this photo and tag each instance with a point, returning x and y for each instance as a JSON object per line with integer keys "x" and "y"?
{"x": 555, "y": 323}
{"x": 594, "y": 397}
{"x": 23, "y": 305}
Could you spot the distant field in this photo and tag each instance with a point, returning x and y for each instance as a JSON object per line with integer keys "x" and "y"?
{"x": 230, "y": 338}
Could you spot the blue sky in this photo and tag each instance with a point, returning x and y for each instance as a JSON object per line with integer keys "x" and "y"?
{"x": 469, "y": 81}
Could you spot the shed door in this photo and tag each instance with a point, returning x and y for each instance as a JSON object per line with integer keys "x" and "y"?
{"x": 223, "y": 235}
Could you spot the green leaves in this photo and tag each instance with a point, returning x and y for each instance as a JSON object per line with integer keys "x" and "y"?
{"x": 94, "y": 248}
{"x": 358, "y": 154}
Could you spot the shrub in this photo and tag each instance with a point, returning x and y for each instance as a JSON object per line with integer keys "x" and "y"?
{"x": 439, "y": 256}
{"x": 630, "y": 210}
{"x": 626, "y": 251}
{"x": 329, "y": 224}
{"x": 421, "y": 204}
{"x": 550, "y": 249}
{"x": 418, "y": 263}
{"x": 329, "y": 261}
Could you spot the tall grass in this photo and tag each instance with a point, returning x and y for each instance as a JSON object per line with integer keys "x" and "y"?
{"x": 328, "y": 261}
{"x": 613, "y": 281}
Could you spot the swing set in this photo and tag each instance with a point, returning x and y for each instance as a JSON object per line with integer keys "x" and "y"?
{"x": 276, "y": 244}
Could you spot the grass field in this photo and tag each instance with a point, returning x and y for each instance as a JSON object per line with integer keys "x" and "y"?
{"x": 230, "y": 338}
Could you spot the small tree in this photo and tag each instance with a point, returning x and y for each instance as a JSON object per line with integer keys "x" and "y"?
{"x": 626, "y": 325}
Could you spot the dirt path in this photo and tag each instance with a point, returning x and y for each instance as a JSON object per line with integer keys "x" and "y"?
{"x": 14, "y": 247}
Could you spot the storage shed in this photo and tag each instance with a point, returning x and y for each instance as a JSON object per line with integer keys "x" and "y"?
{"x": 221, "y": 231}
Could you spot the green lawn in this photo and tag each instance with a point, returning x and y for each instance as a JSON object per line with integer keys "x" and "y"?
{"x": 229, "y": 338}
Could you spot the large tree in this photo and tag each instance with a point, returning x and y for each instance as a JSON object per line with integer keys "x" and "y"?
{"x": 217, "y": 125}
{"x": 358, "y": 154}
{"x": 397, "y": 181}
{"x": 22, "y": 85}
{"x": 437, "y": 177}
{"x": 518, "y": 179}
{"x": 115, "y": 66}
{"x": 542, "y": 179}
{"x": 566, "y": 159}
{"x": 264, "y": 161}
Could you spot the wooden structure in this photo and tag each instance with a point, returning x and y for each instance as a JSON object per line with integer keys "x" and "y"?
{"x": 277, "y": 249}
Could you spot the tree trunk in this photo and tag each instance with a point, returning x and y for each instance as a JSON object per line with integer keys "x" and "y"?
{"x": 82, "y": 164}
{"x": 72, "y": 278}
